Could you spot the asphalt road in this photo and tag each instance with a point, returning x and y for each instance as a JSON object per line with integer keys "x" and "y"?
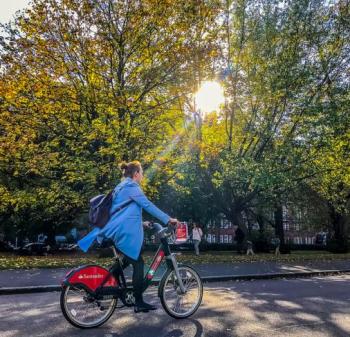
{"x": 316, "y": 307}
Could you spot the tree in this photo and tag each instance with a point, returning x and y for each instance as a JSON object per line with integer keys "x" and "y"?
{"x": 85, "y": 84}
{"x": 281, "y": 61}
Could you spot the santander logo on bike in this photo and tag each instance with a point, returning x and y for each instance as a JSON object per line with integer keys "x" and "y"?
{"x": 86, "y": 276}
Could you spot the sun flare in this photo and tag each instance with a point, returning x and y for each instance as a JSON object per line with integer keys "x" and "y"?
{"x": 209, "y": 97}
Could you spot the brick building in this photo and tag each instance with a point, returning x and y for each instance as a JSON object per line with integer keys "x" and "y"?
{"x": 220, "y": 230}
{"x": 296, "y": 231}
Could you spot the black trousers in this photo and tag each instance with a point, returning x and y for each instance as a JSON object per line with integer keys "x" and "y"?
{"x": 137, "y": 276}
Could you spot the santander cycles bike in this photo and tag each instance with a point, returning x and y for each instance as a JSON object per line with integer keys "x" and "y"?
{"x": 90, "y": 293}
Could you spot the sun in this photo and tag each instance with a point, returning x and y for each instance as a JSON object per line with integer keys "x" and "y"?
{"x": 209, "y": 97}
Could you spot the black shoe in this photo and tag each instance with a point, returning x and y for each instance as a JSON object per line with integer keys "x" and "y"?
{"x": 143, "y": 307}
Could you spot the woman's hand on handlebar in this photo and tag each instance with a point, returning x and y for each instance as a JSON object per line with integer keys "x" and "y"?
{"x": 173, "y": 221}
{"x": 147, "y": 224}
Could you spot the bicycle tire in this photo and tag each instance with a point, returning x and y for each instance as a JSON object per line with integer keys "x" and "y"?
{"x": 70, "y": 319}
{"x": 162, "y": 288}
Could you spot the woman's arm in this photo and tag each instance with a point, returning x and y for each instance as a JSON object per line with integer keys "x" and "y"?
{"x": 139, "y": 197}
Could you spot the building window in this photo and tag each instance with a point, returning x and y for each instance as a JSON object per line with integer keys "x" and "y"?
{"x": 213, "y": 238}
{"x": 286, "y": 225}
{"x": 221, "y": 239}
{"x": 225, "y": 238}
{"x": 227, "y": 224}
{"x": 209, "y": 238}
{"x": 230, "y": 238}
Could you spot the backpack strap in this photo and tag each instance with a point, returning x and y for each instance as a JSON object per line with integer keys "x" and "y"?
{"x": 115, "y": 192}
{"x": 122, "y": 206}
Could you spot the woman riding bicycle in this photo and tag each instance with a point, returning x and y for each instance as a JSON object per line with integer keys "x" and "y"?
{"x": 125, "y": 227}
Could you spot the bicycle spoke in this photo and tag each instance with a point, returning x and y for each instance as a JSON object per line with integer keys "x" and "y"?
{"x": 193, "y": 282}
{"x": 83, "y": 310}
{"x": 177, "y": 304}
{"x": 182, "y": 304}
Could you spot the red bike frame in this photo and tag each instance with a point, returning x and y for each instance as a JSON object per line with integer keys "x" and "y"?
{"x": 97, "y": 280}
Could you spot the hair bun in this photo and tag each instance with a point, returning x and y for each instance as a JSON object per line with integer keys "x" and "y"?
{"x": 123, "y": 165}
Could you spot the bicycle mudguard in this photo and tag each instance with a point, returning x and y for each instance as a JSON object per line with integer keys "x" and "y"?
{"x": 90, "y": 277}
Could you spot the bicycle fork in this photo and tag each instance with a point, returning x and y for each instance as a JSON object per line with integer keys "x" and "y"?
{"x": 172, "y": 258}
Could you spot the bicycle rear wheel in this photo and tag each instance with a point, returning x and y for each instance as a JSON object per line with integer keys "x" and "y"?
{"x": 175, "y": 303}
{"x": 84, "y": 311}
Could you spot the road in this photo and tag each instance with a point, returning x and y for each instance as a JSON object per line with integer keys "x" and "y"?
{"x": 316, "y": 307}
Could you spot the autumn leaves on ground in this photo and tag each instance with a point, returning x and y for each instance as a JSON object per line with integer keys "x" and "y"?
{"x": 10, "y": 261}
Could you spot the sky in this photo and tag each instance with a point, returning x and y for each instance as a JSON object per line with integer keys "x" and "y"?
{"x": 9, "y": 7}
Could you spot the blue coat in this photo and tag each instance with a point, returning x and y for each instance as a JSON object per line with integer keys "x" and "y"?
{"x": 125, "y": 227}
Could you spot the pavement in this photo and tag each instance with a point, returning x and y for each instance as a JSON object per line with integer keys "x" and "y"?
{"x": 302, "y": 307}
{"x": 43, "y": 280}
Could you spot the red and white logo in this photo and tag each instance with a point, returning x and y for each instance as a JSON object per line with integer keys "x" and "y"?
{"x": 86, "y": 276}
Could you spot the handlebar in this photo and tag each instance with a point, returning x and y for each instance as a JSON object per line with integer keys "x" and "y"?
{"x": 163, "y": 231}
{"x": 157, "y": 226}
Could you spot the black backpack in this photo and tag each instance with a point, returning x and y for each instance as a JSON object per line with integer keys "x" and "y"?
{"x": 100, "y": 206}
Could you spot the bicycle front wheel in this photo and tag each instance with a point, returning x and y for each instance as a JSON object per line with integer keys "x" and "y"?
{"x": 84, "y": 311}
{"x": 174, "y": 302}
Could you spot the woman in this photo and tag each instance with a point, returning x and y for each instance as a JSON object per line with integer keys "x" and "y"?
{"x": 196, "y": 237}
{"x": 126, "y": 228}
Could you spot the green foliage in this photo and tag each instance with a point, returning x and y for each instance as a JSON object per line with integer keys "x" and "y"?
{"x": 87, "y": 84}
{"x": 285, "y": 121}
{"x": 83, "y": 86}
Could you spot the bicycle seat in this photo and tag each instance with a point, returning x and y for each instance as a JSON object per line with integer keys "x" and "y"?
{"x": 107, "y": 243}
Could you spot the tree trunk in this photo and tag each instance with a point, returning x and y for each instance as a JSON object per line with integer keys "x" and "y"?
{"x": 51, "y": 233}
{"x": 260, "y": 220}
{"x": 279, "y": 230}
{"x": 237, "y": 220}
{"x": 339, "y": 226}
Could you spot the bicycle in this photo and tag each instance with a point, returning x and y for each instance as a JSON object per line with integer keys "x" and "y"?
{"x": 90, "y": 293}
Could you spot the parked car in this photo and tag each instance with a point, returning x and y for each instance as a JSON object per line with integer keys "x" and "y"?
{"x": 6, "y": 247}
{"x": 34, "y": 248}
{"x": 183, "y": 246}
{"x": 68, "y": 247}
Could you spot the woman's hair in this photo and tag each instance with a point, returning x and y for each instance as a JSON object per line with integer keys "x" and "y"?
{"x": 129, "y": 169}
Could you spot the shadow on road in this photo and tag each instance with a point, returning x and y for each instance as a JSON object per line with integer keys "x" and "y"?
{"x": 300, "y": 307}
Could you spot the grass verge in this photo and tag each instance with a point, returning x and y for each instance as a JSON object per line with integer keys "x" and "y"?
{"x": 11, "y": 261}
